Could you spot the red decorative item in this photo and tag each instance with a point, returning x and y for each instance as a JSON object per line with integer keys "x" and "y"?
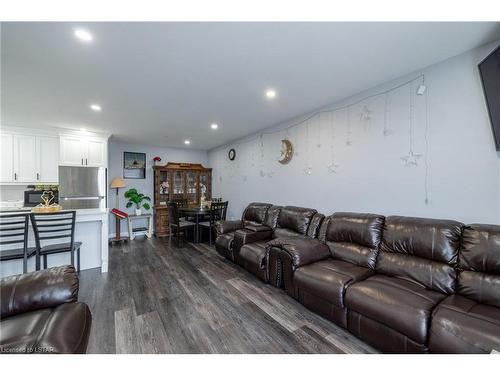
{"x": 156, "y": 159}
{"x": 120, "y": 214}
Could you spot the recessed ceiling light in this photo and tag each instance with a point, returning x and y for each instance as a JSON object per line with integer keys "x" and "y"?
{"x": 214, "y": 126}
{"x": 95, "y": 107}
{"x": 187, "y": 142}
{"x": 83, "y": 35}
{"x": 271, "y": 94}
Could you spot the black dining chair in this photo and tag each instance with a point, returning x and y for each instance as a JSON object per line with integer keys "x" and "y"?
{"x": 217, "y": 213}
{"x": 14, "y": 238}
{"x": 54, "y": 226}
{"x": 176, "y": 225}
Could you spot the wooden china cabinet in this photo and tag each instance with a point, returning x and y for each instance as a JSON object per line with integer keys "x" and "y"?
{"x": 178, "y": 181}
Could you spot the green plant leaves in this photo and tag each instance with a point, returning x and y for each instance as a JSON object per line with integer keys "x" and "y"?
{"x": 134, "y": 197}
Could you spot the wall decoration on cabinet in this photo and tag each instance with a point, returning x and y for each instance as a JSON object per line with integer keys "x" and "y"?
{"x": 134, "y": 165}
{"x": 286, "y": 151}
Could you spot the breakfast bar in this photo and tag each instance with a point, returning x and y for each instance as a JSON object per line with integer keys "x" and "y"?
{"x": 91, "y": 230}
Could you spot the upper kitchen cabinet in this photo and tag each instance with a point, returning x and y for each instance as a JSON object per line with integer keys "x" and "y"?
{"x": 7, "y": 158}
{"x": 29, "y": 159}
{"x": 82, "y": 151}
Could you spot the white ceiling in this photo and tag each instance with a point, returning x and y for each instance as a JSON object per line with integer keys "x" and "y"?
{"x": 160, "y": 83}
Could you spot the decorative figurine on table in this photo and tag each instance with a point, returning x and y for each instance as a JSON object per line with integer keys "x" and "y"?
{"x": 48, "y": 204}
{"x": 203, "y": 202}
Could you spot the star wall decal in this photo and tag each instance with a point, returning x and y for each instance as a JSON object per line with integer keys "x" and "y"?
{"x": 388, "y": 132}
{"x": 332, "y": 167}
{"x": 411, "y": 159}
{"x": 366, "y": 114}
{"x": 262, "y": 173}
{"x": 308, "y": 171}
{"x": 348, "y": 142}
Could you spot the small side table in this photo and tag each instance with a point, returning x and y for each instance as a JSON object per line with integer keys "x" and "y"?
{"x": 133, "y": 232}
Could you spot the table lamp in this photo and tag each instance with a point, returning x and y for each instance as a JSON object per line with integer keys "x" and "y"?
{"x": 117, "y": 183}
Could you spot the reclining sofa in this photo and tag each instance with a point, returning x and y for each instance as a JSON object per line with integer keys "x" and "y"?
{"x": 40, "y": 313}
{"x": 402, "y": 284}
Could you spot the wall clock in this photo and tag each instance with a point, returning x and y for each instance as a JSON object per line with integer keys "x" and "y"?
{"x": 286, "y": 151}
{"x": 231, "y": 154}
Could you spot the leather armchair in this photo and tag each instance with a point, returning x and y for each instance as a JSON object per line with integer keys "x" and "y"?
{"x": 40, "y": 313}
{"x": 255, "y": 214}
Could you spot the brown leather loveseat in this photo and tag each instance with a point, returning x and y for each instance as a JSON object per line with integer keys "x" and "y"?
{"x": 40, "y": 313}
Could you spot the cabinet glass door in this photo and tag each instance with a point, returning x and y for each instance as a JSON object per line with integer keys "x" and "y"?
{"x": 164, "y": 188}
{"x": 178, "y": 186}
{"x": 192, "y": 188}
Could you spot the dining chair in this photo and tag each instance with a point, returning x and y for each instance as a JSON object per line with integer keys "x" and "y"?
{"x": 14, "y": 238}
{"x": 217, "y": 213}
{"x": 54, "y": 226}
{"x": 176, "y": 225}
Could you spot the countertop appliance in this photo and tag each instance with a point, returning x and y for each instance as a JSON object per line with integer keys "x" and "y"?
{"x": 82, "y": 187}
{"x": 33, "y": 198}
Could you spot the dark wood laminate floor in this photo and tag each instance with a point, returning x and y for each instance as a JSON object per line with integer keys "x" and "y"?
{"x": 158, "y": 298}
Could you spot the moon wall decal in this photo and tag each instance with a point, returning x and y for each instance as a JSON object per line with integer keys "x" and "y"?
{"x": 286, "y": 152}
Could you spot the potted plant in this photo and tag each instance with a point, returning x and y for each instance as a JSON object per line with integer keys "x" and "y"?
{"x": 134, "y": 197}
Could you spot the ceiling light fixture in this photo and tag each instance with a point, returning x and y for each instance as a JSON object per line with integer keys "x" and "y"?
{"x": 187, "y": 142}
{"x": 95, "y": 107}
{"x": 214, "y": 126}
{"x": 83, "y": 35}
{"x": 271, "y": 94}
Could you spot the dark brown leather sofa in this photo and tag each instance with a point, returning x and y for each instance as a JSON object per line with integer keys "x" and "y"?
{"x": 404, "y": 285}
{"x": 469, "y": 321}
{"x": 40, "y": 313}
{"x": 250, "y": 244}
{"x": 253, "y": 216}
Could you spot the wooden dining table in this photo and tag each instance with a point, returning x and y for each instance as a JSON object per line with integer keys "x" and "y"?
{"x": 199, "y": 214}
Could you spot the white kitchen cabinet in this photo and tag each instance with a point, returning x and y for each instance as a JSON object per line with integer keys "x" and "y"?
{"x": 81, "y": 151}
{"x": 7, "y": 158}
{"x": 96, "y": 153}
{"x": 47, "y": 149}
{"x": 72, "y": 151}
{"x": 25, "y": 158}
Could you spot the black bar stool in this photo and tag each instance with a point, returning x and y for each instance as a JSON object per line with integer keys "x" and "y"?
{"x": 14, "y": 238}
{"x": 51, "y": 226}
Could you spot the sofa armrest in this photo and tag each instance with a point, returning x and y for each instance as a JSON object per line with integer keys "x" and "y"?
{"x": 258, "y": 228}
{"x": 223, "y": 227}
{"x": 302, "y": 250}
{"x": 38, "y": 290}
{"x": 245, "y": 236}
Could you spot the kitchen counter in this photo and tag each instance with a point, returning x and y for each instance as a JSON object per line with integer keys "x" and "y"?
{"x": 91, "y": 230}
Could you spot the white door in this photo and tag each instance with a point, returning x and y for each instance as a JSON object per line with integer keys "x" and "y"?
{"x": 96, "y": 153}
{"x": 72, "y": 151}
{"x": 25, "y": 160}
{"x": 47, "y": 149}
{"x": 7, "y": 158}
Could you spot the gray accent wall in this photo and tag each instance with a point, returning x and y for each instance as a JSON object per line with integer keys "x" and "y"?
{"x": 463, "y": 179}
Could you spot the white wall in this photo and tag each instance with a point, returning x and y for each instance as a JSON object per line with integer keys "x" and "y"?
{"x": 145, "y": 186}
{"x": 463, "y": 168}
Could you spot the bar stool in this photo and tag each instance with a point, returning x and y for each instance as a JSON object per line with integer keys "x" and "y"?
{"x": 52, "y": 226}
{"x": 14, "y": 238}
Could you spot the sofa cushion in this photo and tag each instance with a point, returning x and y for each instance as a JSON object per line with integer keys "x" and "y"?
{"x": 295, "y": 219}
{"x": 315, "y": 225}
{"x": 328, "y": 279}
{"x": 422, "y": 250}
{"x": 400, "y": 304}
{"x": 461, "y": 325}
{"x": 355, "y": 237}
{"x": 272, "y": 216}
{"x": 255, "y": 213}
{"x": 480, "y": 264}
{"x": 63, "y": 329}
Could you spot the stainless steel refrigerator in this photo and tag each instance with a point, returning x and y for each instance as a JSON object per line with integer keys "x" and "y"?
{"x": 82, "y": 187}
